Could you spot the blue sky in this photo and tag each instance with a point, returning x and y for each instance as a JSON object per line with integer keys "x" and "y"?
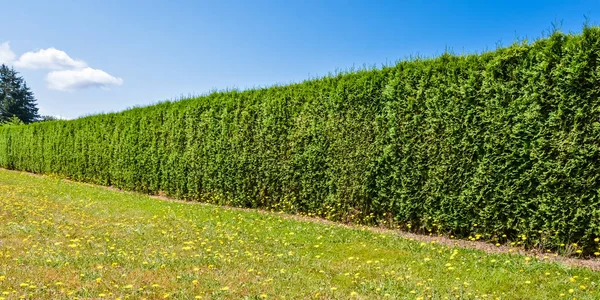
{"x": 86, "y": 57}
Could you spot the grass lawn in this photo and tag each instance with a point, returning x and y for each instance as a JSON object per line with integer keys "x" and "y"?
{"x": 61, "y": 239}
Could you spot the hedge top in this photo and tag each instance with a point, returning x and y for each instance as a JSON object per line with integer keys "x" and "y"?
{"x": 503, "y": 146}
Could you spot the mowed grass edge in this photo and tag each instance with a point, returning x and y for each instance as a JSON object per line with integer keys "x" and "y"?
{"x": 67, "y": 240}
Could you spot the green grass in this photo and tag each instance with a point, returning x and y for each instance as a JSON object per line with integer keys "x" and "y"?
{"x": 62, "y": 239}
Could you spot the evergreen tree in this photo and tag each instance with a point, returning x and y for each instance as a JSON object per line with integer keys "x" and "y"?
{"x": 16, "y": 99}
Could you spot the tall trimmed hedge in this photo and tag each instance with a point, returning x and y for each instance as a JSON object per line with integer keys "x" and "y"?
{"x": 504, "y": 145}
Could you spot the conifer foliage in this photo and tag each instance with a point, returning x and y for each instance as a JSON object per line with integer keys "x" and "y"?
{"x": 503, "y": 145}
{"x": 16, "y": 99}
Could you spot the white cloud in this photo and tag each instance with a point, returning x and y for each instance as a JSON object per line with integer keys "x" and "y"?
{"x": 69, "y": 80}
{"x": 50, "y": 58}
{"x": 69, "y": 74}
{"x": 6, "y": 55}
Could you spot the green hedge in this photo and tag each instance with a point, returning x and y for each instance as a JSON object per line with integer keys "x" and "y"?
{"x": 501, "y": 146}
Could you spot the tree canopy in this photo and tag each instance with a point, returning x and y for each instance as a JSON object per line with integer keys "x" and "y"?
{"x": 16, "y": 99}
